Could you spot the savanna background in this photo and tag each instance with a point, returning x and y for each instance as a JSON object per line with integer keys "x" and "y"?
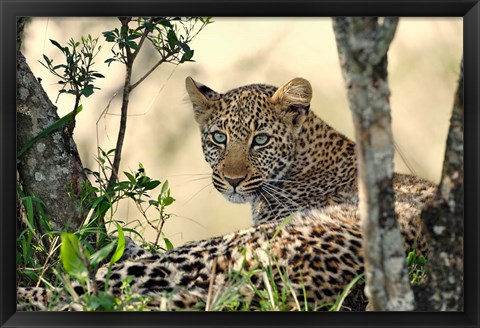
{"x": 161, "y": 133}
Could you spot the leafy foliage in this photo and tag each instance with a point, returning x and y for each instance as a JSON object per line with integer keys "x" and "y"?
{"x": 170, "y": 37}
{"x": 137, "y": 188}
{"x": 54, "y": 257}
{"x": 76, "y": 74}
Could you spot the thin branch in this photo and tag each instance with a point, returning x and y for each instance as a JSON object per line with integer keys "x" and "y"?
{"x": 150, "y": 71}
{"x": 124, "y": 110}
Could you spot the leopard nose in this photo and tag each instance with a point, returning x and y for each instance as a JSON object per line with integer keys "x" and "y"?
{"x": 234, "y": 181}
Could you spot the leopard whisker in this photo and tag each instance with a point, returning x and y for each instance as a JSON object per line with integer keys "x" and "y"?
{"x": 266, "y": 200}
{"x": 199, "y": 179}
{"x": 198, "y": 192}
{"x": 321, "y": 189}
{"x": 281, "y": 192}
{"x": 272, "y": 192}
{"x": 286, "y": 180}
{"x": 191, "y": 220}
{"x": 273, "y": 196}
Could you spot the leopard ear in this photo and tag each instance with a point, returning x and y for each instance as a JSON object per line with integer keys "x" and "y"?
{"x": 292, "y": 101}
{"x": 201, "y": 97}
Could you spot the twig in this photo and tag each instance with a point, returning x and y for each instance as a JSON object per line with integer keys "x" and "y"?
{"x": 150, "y": 71}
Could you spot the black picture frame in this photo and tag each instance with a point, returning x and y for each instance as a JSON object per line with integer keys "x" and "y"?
{"x": 10, "y": 9}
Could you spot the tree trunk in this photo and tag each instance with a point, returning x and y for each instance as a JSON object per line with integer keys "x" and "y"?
{"x": 444, "y": 222}
{"x": 362, "y": 46}
{"x": 51, "y": 169}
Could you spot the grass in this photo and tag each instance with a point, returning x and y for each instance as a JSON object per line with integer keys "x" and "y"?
{"x": 416, "y": 265}
{"x": 51, "y": 259}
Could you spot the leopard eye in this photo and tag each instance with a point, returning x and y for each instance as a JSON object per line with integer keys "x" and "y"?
{"x": 219, "y": 137}
{"x": 260, "y": 139}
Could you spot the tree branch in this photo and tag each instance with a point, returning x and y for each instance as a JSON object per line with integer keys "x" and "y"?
{"x": 444, "y": 222}
{"x": 362, "y": 46}
{"x": 150, "y": 71}
{"x": 127, "y": 88}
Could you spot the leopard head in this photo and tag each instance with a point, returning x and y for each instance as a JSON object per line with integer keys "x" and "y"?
{"x": 249, "y": 133}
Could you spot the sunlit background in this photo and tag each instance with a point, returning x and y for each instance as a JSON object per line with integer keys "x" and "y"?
{"x": 162, "y": 134}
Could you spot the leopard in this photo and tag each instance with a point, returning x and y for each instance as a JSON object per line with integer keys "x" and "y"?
{"x": 267, "y": 148}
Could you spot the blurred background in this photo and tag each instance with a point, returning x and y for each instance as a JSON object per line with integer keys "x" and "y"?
{"x": 161, "y": 133}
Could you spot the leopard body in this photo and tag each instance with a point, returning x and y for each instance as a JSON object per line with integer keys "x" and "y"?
{"x": 266, "y": 147}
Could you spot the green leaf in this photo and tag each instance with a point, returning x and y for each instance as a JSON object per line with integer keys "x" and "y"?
{"x": 168, "y": 244}
{"x": 108, "y": 34}
{"x": 163, "y": 21}
{"x": 58, "y": 124}
{"x": 117, "y": 255}
{"x": 104, "y": 301}
{"x": 187, "y": 56}
{"x": 130, "y": 177}
{"x": 132, "y": 44}
{"x": 164, "y": 188}
{"x": 410, "y": 258}
{"x": 47, "y": 60}
{"x": 28, "y": 203}
{"x": 71, "y": 257}
{"x": 133, "y": 36}
{"x": 148, "y": 26}
{"x": 109, "y": 61}
{"x": 152, "y": 185}
{"x": 421, "y": 260}
{"x": 56, "y": 44}
{"x": 88, "y": 90}
{"x": 59, "y": 66}
{"x": 172, "y": 39}
{"x": 168, "y": 201}
{"x": 102, "y": 254}
{"x": 187, "y": 52}
{"x": 121, "y": 186}
{"x": 184, "y": 46}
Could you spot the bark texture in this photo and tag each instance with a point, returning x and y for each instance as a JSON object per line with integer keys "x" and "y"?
{"x": 362, "y": 44}
{"x": 21, "y": 23}
{"x": 444, "y": 222}
{"x": 51, "y": 169}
